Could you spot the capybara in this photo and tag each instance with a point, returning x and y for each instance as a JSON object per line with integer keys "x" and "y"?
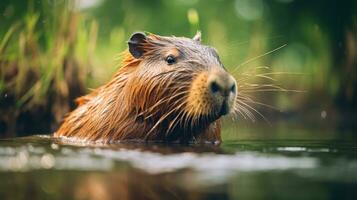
{"x": 168, "y": 89}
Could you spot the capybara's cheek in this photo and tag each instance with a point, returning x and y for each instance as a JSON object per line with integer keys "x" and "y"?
{"x": 199, "y": 101}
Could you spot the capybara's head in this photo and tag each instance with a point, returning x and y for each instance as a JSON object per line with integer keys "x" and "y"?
{"x": 179, "y": 81}
{"x": 168, "y": 88}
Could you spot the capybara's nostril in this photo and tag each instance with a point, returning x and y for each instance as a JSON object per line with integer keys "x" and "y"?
{"x": 233, "y": 88}
{"x": 222, "y": 83}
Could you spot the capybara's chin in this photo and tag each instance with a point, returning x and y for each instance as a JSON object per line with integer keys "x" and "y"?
{"x": 171, "y": 89}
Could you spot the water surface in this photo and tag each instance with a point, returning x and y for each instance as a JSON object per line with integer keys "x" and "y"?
{"x": 259, "y": 163}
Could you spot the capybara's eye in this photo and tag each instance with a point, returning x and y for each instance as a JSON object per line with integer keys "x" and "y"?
{"x": 170, "y": 60}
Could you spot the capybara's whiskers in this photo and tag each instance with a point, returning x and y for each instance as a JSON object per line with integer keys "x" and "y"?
{"x": 254, "y": 80}
{"x": 257, "y": 57}
{"x": 250, "y": 100}
{"x": 243, "y": 105}
{"x": 237, "y": 112}
{"x": 271, "y": 90}
{"x": 245, "y": 88}
{"x": 246, "y": 112}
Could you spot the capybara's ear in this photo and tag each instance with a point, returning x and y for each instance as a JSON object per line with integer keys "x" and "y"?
{"x": 197, "y": 37}
{"x": 136, "y": 44}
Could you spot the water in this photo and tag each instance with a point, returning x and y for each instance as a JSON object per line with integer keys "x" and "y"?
{"x": 255, "y": 163}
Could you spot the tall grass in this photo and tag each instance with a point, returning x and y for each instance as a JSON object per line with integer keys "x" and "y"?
{"x": 44, "y": 63}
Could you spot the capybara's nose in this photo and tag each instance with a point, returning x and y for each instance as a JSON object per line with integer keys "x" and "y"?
{"x": 221, "y": 83}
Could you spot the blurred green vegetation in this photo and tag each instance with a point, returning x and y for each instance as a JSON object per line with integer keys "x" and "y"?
{"x": 51, "y": 50}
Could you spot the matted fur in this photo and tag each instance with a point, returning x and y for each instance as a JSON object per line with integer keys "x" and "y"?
{"x": 147, "y": 100}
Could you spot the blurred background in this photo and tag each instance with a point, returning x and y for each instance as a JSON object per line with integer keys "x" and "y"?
{"x": 52, "y": 51}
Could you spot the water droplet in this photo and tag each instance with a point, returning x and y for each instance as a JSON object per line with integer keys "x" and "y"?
{"x": 323, "y": 114}
{"x": 54, "y": 146}
{"x": 47, "y": 161}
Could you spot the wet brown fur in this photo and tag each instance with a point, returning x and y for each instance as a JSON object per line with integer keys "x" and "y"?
{"x": 123, "y": 109}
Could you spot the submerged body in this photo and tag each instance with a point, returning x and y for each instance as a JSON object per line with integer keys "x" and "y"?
{"x": 167, "y": 89}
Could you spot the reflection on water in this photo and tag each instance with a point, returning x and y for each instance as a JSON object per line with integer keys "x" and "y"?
{"x": 42, "y": 167}
{"x": 28, "y": 157}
